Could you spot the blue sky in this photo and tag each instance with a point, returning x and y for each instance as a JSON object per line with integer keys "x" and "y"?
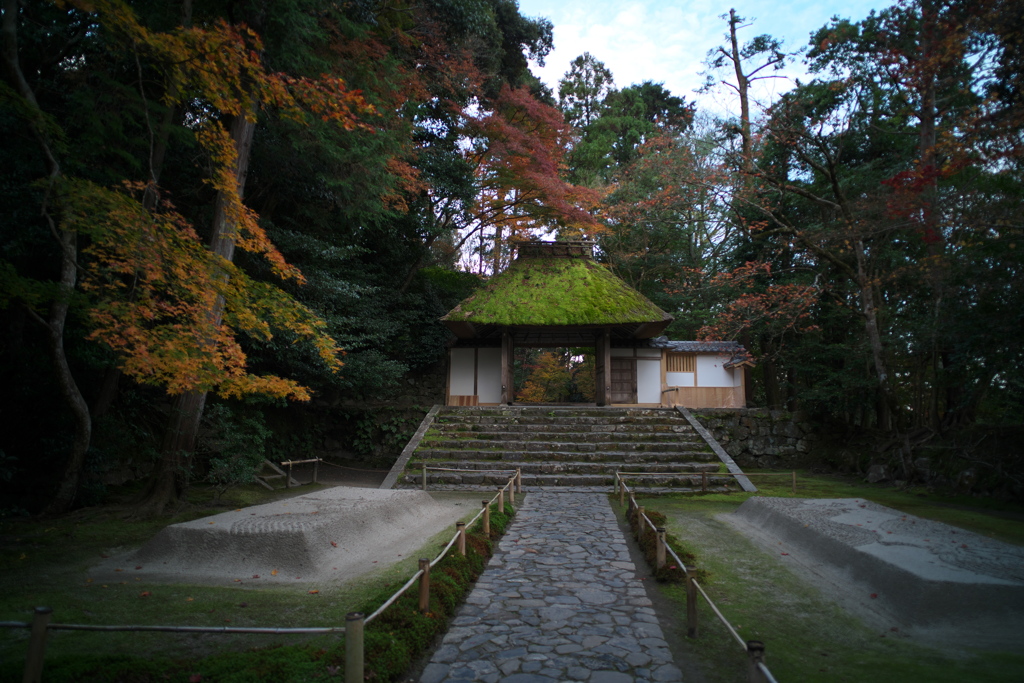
{"x": 665, "y": 41}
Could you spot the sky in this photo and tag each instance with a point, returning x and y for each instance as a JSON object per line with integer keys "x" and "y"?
{"x": 667, "y": 41}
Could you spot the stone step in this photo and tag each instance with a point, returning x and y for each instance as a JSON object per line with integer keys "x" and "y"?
{"x": 554, "y": 411}
{"x": 501, "y": 455}
{"x": 563, "y": 446}
{"x": 470, "y": 418}
{"x": 545, "y": 467}
{"x": 563, "y": 433}
{"x": 564, "y": 479}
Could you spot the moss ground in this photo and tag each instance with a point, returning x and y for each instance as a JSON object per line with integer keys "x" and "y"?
{"x": 47, "y": 563}
{"x": 808, "y": 637}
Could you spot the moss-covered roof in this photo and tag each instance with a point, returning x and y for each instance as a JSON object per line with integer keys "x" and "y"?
{"x": 556, "y": 292}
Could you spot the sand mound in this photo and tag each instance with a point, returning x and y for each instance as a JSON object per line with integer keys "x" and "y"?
{"x": 334, "y": 533}
{"x": 942, "y": 582}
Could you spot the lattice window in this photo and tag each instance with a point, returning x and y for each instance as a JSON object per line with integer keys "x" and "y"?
{"x": 682, "y": 362}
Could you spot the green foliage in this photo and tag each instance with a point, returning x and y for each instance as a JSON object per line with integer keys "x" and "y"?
{"x": 234, "y": 445}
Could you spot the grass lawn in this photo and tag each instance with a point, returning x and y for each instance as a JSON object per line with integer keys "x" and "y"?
{"x": 809, "y": 638}
{"x": 46, "y": 563}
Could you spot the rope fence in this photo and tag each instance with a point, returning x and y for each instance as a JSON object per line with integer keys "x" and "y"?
{"x": 758, "y": 670}
{"x": 355, "y": 622}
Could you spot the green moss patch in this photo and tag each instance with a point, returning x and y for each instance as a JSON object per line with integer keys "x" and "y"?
{"x": 554, "y": 291}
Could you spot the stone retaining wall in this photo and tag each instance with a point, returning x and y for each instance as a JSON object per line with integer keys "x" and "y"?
{"x": 757, "y": 437}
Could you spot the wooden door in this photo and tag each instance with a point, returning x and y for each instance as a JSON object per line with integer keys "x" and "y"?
{"x": 623, "y": 380}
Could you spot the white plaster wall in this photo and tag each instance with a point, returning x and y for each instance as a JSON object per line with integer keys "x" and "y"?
{"x": 710, "y": 372}
{"x": 648, "y": 381}
{"x": 648, "y": 353}
{"x": 679, "y": 379}
{"x": 460, "y": 378}
{"x": 488, "y": 376}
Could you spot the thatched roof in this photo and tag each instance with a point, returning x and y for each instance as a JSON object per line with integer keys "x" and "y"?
{"x": 553, "y": 285}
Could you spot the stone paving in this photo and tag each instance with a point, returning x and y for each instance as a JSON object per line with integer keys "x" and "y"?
{"x": 559, "y": 601}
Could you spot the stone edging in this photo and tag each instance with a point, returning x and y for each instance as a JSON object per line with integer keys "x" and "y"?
{"x": 414, "y": 442}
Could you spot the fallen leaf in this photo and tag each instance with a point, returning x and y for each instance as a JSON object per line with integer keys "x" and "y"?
{"x": 88, "y": 580}
{"x": 785, "y": 553}
{"x": 145, "y": 594}
{"x": 273, "y": 573}
{"x": 874, "y": 595}
{"x": 189, "y": 599}
{"x": 313, "y": 592}
{"x": 255, "y": 576}
{"x": 334, "y": 544}
{"x": 138, "y": 566}
{"x": 243, "y": 604}
{"x": 195, "y": 678}
{"x": 209, "y": 522}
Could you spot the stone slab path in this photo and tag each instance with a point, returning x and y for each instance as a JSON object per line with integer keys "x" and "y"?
{"x": 559, "y": 601}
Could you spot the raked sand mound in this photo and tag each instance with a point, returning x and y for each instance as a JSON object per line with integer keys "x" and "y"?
{"x": 945, "y": 584}
{"x": 333, "y": 534}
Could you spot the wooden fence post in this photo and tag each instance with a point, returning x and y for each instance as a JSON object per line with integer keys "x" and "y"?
{"x": 615, "y": 484}
{"x": 424, "y": 585}
{"x": 316, "y": 469}
{"x": 354, "y": 647}
{"x": 37, "y": 645}
{"x": 622, "y": 493}
{"x": 511, "y": 491}
{"x": 501, "y": 500}
{"x": 487, "y": 518}
{"x": 703, "y": 482}
{"x": 659, "y": 550}
{"x": 691, "y": 602}
{"x": 424, "y": 476}
{"x": 755, "y": 650}
{"x": 460, "y": 527}
{"x": 288, "y": 478}
{"x": 519, "y": 480}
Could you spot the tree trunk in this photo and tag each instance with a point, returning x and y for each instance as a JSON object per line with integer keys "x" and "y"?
{"x": 68, "y": 487}
{"x": 169, "y": 481}
{"x": 870, "y": 312}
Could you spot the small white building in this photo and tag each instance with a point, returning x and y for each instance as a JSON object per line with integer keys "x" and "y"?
{"x": 555, "y": 295}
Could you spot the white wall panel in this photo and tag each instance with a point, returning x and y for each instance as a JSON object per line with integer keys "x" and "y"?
{"x": 648, "y": 353}
{"x": 711, "y": 373}
{"x": 648, "y": 381}
{"x": 679, "y": 379}
{"x": 461, "y": 372}
{"x": 488, "y": 375}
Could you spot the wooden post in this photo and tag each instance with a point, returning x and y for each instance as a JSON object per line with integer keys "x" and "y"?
{"x": 316, "y": 469}
{"x": 511, "y": 486}
{"x": 507, "y": 363}
{"x": 622, "y": 493}
{"x": 37, "y": 645}
{"x": 615, "y": 483}
{"x": 501, "y": 500}
{"x": 755, "y": 651}
{"x": 519, "y": 480}
{"x": 487, "y": 518}
{"x": 424, "y": 476}
{"x": 659, "y": 551}
{"x": 288, "y": 479}
{"x": 703, "y": 482}
{"x": 424, "y": 585}
{"x": 794, "y": 482}
{"x": 354, "y": 647}
{"x": 691, "y": 602}
{"x": 460, "y": 528}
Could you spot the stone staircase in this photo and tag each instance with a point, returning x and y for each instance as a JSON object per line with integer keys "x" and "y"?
{"x": 563, "y": 446}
